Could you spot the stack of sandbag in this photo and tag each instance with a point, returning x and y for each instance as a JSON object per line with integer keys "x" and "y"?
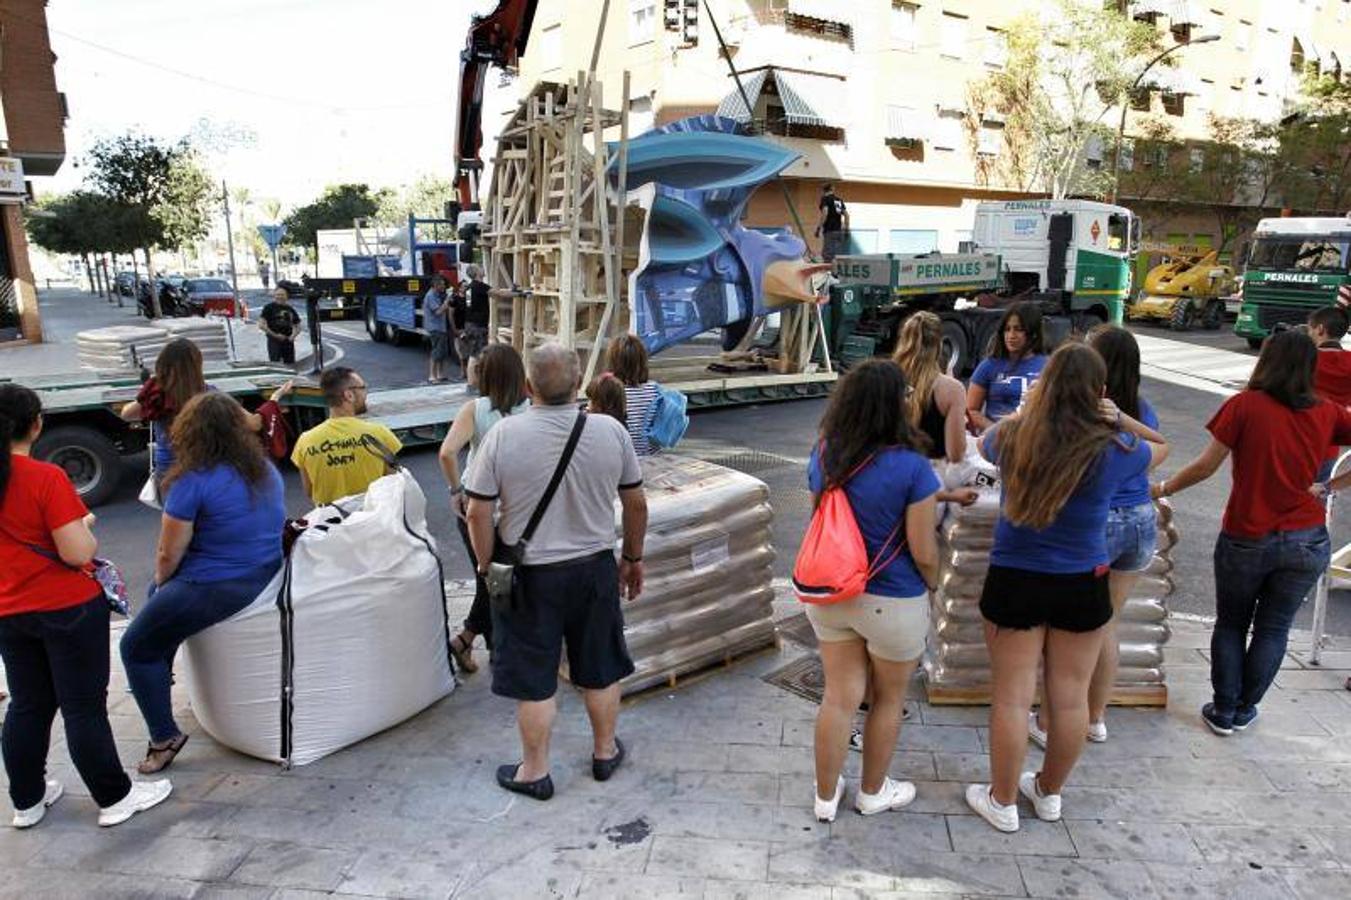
{"x": 207, "y": 333}
{"x": 350, "y": 637}
{"x": 709, "y": 559}
{"x": 957, "y": 663}
{"x": 120, "y": 347}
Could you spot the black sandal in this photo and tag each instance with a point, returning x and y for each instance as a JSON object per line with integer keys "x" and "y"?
{"x": 147, "y": 766}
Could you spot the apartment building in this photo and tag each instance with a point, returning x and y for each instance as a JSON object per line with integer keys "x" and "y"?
{"x": 872, "y": 93}
{"x": 32, "y": 143}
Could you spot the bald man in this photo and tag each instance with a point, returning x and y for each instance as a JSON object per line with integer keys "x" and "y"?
{"x": 569, "y": 580}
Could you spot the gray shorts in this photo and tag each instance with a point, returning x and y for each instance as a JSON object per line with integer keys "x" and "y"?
{"x": 472, "y": 340}
{"x": 894, "y": 628}
{"x": 440, "y": 345}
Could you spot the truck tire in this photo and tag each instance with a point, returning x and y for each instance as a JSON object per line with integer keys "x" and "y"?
{"x": 1212, "y": 317}
{"x": 1255, "y": 343}
{"x": 378, "y": 330}
{"x": 955, "y": 354}
{"x": 1183, "y": 315}
{"x": 87, "y": 457}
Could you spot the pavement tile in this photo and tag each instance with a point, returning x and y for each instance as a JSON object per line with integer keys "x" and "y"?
{"x": 736, "y": 860}
{"x": 20, "y": 884}
{"x": 901, "y": 828}
{"x": 1318, "y": 884}
{"x": 720, "y": 889}
{"x": 834, "y": 861}
{"x": 1261, "y": 845}
{"x": 1161, "y": 842}
{"x": 383, "y": 873}
{"x": 939, "y": 738}
{"x": 1290, "y": 809}
{"x": 1086, "y": 879}
{"x": 1305, "y": 776}
{"x": 1153, "y": 805}
{"x": 234, "y": 892}
{"x": 640, "y": 887}
{"x": 972, "y": 834}
{"x": 287, "y": 865}
{"x": 749, "y": 787}
{"x": 919, "y": 872}
{"x": 1320, "y": 679}
{"x": 512, "y": 883}
{"x": 1338, "y": 840}
{"x": 1225, "y": 880}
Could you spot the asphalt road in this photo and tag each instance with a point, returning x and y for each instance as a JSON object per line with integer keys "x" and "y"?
{"x": 770, "y": 441}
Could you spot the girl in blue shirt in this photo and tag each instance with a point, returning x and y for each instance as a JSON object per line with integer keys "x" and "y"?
{"x": 875, "y": 639}
{"x": 1062, "y": 460}
{"x": 1003, "y": 378}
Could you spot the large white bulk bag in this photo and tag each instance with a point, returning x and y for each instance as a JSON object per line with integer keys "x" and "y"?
{"x": 350, "y": 638}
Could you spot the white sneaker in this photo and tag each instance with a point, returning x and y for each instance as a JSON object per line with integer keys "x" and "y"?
{"x": 1035, "y": 732}
{"x": 856, "y": 740}
{"x": 27, "y": 818}
{"x": 891, "y": 795}
{"x": 142, "y": 796}
{"x": 1097, "y": 732}
{"x": 1004, "y": 818}
{"x": 1046, "y": 805}
{"x": 826, "y": 809}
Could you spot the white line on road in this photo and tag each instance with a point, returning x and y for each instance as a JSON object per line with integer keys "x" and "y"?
{"x": 1208, "y": 369}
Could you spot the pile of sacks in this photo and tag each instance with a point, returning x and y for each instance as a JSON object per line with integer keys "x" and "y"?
{"x": 709, "y": 560}
{"x": 956, "y": 657}
{"x": 127, "y": 347}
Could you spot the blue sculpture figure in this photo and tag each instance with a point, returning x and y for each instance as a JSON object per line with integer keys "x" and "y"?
{"x": 701, "y": 268}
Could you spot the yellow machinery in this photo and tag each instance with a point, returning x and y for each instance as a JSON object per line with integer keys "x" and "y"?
{"x": 1186, "y": 289}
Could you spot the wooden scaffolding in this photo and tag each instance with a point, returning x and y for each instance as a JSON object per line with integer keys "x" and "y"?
{"x": 554, "y": 238}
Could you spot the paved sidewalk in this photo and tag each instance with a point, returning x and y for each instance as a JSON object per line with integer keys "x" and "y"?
{"x": 715, "y": 802}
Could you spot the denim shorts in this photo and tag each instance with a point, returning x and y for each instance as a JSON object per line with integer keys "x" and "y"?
{"x": 1132, "y": 534}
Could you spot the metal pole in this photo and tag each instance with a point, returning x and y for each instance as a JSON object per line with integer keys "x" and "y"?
{"x": 230, "y": 243}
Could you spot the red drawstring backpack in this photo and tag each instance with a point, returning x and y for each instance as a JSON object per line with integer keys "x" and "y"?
{"x": 832, "y": 564}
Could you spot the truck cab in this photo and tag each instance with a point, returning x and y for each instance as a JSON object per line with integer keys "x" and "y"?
{"x": 1079, "y": 248}
{"x": 1295, "y": 266}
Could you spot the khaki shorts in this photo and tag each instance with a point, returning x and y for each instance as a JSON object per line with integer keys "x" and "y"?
{"x": 894, "y": 628}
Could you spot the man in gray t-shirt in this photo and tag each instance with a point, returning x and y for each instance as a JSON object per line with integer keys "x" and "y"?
{"x": 435, "y": 314}
{"x": 570, "y": 583}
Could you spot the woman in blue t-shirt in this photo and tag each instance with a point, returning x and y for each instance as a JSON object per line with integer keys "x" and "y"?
{"x": 1001, "y": 381}
{"x": 1132, "y": 521}
{"x": 219, "y": 546}
{"x": 876, "y": 639}
{"x": 1061, "y": 460}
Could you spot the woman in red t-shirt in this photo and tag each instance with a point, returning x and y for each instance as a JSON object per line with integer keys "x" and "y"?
{"x": 53, "y": 631}
{"x": 1273, "y": 544}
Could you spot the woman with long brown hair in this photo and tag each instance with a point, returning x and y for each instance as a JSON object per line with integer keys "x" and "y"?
{"x": 219, "y": 545}
{"x": 876, "y": 639}
{"x": 627, "y": 358}
{"x": 1017, "y": 356}
{"x": 1273, "y": 543}
{"x": 1046, "y": 597}
{"x": 501, "y": 382}
{"x": 936, "y": 405}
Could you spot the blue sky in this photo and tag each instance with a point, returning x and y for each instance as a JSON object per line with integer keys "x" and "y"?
{"x": 294, "y": 94}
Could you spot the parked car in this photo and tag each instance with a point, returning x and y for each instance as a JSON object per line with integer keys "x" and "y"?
{"x": 292, "y": 288}
{"x": 210, "y": 295}
{"x": 124, "y": 283}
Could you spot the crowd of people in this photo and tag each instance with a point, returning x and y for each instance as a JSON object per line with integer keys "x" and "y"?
{"x": 1070, "y": 434}
{"x": 1074, "y": 443}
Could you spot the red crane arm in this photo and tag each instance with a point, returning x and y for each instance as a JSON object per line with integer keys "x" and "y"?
{"x": 497, "y": 39}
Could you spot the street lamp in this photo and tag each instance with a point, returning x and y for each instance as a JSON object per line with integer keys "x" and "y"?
{"x": 1125, "y": 102}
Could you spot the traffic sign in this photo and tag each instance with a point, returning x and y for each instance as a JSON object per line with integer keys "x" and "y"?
{"x": 272, "y": 234}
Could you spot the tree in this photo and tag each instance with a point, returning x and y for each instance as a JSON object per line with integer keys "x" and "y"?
{"x": 1317, "y": 141}
{"x": 84, "y": 223}
{"x": 1064, "y": 73}
{"x": 337, "y": 207}
{"x": 164, "y": 183}
{"x": 425, "y": 198}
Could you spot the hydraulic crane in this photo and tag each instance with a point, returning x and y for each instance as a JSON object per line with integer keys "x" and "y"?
{"x": 497, "y": 39}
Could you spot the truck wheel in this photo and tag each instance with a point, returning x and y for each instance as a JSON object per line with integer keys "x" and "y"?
{"x": 378, "y": 330}
{"x": 87, "y": 457}
{"x": 1255, "y": 343}
{"x": 956, "y": 354}
{"x": 1212, "y": 317}
{"x": 1183, "y": 315}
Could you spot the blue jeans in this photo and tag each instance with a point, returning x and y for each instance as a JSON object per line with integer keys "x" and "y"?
{"x": 59, "y": 660}
{"x": 176, "y": 611}
{"x": 1259, "y": 584}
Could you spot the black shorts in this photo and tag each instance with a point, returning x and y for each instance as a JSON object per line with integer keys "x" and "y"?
{"x": 281, "y": 351}
{"x": 574, "y": 603}
{"x": 1018, "y": 598}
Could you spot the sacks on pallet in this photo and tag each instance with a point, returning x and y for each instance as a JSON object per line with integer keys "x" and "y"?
{"x": 956, "y": 656}
{"x": 349, "y": 639}
{"x": 708, "y": 562}
{"x": 120, "y": 347}
{"x": 207, "y": 333}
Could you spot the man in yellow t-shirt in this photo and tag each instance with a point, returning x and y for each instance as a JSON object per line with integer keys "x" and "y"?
{"x": 332, "y": 461}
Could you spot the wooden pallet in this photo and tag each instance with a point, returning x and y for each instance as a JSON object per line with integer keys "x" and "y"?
{"x": 1153, "y": 695}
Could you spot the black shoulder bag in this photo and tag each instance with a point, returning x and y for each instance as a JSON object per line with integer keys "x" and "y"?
{"x": 502, "y": 578}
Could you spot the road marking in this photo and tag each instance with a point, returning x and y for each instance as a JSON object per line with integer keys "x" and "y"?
{"x": 1208, "y": 369}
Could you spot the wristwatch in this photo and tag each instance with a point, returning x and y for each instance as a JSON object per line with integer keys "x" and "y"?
{"x": 456, "y": 490}
{"x": 630, "y": 559}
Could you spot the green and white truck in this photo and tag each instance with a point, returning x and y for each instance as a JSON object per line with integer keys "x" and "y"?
{"x": 1071, "y": 256}
{"x": 1295, "y": 265}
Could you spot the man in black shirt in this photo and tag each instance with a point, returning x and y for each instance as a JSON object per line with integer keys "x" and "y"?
{"x": 474, "y": 301}
{"x": 281, "y": 323}
{"x": 832, "y": 226}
